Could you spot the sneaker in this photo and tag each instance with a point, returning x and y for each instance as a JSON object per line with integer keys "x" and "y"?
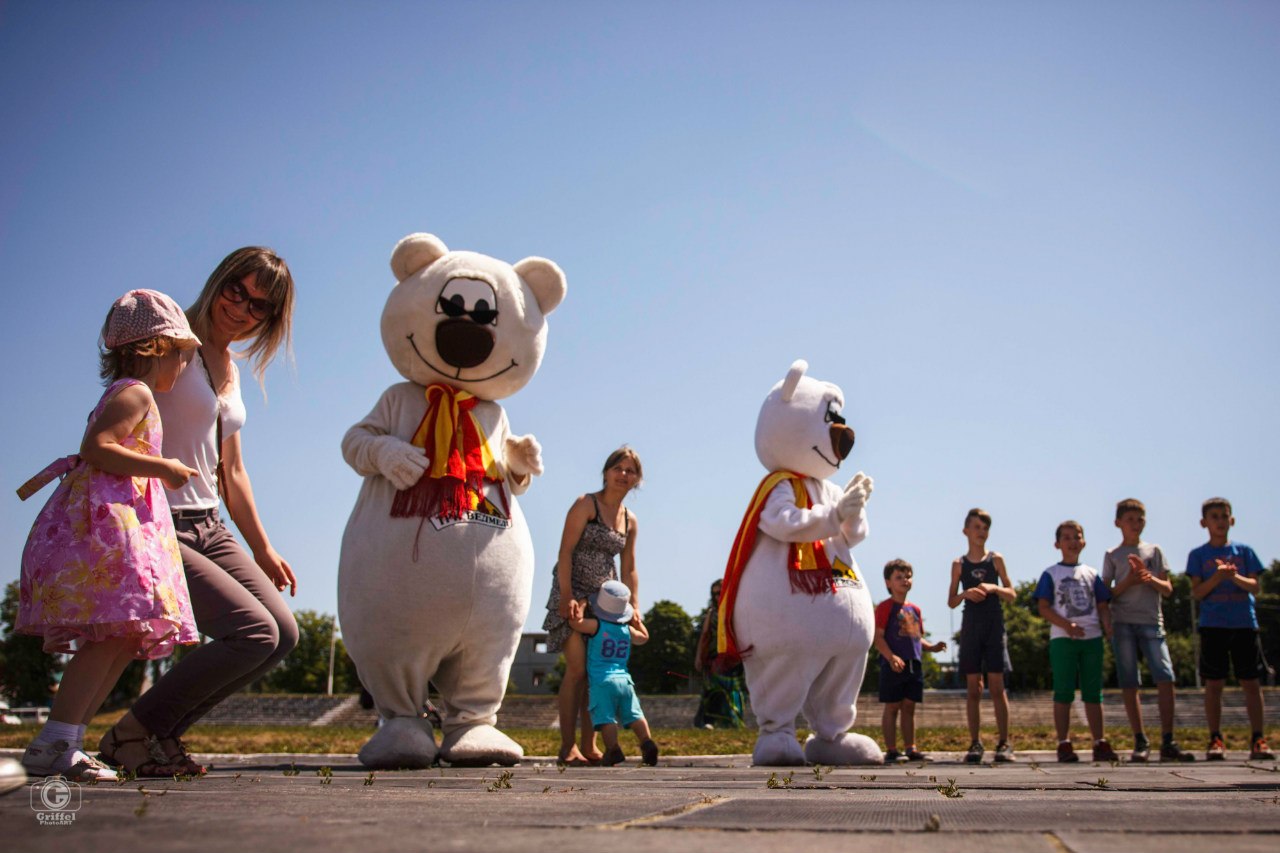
{"x": 1172, "y": 752}
{"x": 1217, "y": 750}
{"x": 1259, "y": 751}
{"x": 649, "y": 753}
{"x": 12, "y": 776}
{"x": 1102, "y": 751}
{"x": 1067, "y": 753}
{"x": 46, "y": 759}
{"x": 974, "y": 755}
{"x": 914, "y": 754}
{"x": 1141, "y": 751}
{"x": 893, "y": 757}
{"x": 1004, "y": 753}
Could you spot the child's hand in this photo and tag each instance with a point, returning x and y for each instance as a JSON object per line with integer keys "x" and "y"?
{"x": 1139, "y": 568}
{"x": 1075, "y": 631}
{"x": 176, "y": 474}
{"x": 636, "y": 621}
{"x": 575, "y": 610}
{"x": 940, "y": 646}
{"x": 1226, "y": 568}
{"x": 897, "y": 664}
{"x": 975, "y": 594}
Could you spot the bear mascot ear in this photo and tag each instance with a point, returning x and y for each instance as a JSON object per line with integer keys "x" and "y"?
{"x": 414, "y": 253}
{"x": 798, "y": 368}
{"x": 546, "y": 281}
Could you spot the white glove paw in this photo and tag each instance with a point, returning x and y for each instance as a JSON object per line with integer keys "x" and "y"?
{"x": 524, "y": 456}
{"x": 855, "y": 496}
{"x": 399, "y": 461}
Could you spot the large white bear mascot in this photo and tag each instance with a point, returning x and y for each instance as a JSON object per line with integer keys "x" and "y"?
{"x": 794, "y": 607}
{"x": 436, "y": 571}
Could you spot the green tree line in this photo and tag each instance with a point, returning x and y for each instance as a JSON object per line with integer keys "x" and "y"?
{"x": 663, "y": 665}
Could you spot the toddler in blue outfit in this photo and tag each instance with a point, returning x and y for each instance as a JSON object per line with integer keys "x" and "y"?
{"x": 609, "y": 637}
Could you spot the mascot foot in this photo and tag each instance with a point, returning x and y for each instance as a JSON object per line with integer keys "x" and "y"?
{"x": 402, "y": 742}
{"x": 846, "y": 749}
{"x": 778, "y": 749}
{"x": 480, "y": 746}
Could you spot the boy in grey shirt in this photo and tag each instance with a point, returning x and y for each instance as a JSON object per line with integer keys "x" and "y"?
{"x": 1139, "y": 581}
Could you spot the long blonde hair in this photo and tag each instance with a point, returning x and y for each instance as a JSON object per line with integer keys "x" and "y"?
{"x": 275, "y": 280}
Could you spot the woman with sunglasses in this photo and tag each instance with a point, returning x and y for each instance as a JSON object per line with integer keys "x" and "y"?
{"x": 236, "y": 597}
{"x": 597, "y": 529}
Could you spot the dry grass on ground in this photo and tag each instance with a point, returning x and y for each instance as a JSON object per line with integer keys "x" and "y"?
{"x": 341, "y": 740}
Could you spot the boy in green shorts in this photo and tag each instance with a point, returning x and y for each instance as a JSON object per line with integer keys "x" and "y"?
{"x": 1074, "y": 600}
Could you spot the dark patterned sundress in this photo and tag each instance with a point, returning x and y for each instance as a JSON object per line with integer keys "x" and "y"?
{"x": 593, "y": 564}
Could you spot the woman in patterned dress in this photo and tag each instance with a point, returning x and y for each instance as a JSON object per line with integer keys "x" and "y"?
{"x": 597, "y": 529}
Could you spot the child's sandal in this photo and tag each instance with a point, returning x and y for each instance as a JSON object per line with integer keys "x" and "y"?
{"x": 146, "y": 760}
{"x": 176, "y": 753}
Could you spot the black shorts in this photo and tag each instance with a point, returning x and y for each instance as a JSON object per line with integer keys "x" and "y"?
{"x": 896, "y": 686}
{"x": 1238, "y": 646}
{"x": 983, "y": 647}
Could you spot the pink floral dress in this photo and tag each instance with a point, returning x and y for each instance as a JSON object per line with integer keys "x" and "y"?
{"x": 102, "y": 560}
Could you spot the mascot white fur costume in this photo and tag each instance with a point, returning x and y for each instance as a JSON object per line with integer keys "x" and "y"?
{"x": 794, "y": 607}
{"x": 436, "y": 572}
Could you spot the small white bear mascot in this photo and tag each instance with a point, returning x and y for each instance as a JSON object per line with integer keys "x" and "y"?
{"x": 436, "y": 572}
{"x": 794, "y": 608}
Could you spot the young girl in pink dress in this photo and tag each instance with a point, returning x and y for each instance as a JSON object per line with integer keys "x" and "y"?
{"x": 101, "y": 573}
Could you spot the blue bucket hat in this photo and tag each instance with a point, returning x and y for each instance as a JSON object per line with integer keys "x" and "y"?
{"x": 612, "y": 602}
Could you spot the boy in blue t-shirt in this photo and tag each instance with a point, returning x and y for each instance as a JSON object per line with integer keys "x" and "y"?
{"x": 609, "y": 638}
{"x": 1224, "y": 579}
{"x": 900, "y": 639}
{"x": 1074, "y": 601}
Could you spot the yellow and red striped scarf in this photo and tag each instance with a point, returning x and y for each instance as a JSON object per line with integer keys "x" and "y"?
{"x": 807, "y": 562}
{"x": 460, "y": 458}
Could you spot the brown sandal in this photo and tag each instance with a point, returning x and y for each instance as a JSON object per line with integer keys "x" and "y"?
{"x": 146, "y": 760}
{"x": 176, "y": 753}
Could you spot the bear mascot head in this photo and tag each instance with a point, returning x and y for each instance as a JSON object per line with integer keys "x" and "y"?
{"x": 795, "y": 609}
{"x": 436, "y": 570}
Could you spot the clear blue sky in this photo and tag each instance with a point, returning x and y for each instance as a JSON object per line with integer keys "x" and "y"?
{"x": 1035, "y": 243}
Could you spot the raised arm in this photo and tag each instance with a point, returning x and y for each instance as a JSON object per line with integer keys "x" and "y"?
{"x": 574, "y": 523}
{"x": 244, "y": 512}
{"x": 1004, "y": 590}
{"x": 630, "y": 576}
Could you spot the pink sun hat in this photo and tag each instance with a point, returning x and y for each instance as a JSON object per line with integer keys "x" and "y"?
{"x": 143, "y": 314}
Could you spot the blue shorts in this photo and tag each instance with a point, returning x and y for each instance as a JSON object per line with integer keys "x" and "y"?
{"x": 1128, "y": 640}
{"x": 614, "y": 702}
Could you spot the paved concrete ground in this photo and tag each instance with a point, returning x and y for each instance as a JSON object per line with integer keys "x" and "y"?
{"x": 323, "y": 803}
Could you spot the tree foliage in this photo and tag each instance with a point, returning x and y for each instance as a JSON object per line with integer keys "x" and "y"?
{"x": 665, "y": 663}
{"x": 306, "y": 668}
{"x": 26, "y": 672}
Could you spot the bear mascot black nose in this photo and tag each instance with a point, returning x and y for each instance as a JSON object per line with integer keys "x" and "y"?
{"x": 461, "y": 343}
{"x": 841, "y": 440}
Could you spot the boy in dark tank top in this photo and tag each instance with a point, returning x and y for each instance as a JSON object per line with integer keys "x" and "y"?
{"x": 979, "y": 579}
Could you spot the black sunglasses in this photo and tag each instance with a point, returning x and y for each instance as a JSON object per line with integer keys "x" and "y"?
{"x": 259, "y": 309}
{"x": 451, "y": 308}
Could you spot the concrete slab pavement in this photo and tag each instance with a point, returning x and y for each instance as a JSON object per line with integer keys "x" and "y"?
{"x": 324, "y": 803}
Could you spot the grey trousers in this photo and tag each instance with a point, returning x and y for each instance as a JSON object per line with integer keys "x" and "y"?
{"x": 247, "y": 621}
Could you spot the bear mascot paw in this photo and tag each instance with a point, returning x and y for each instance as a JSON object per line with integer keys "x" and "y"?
{"x": 436, "y": 571}
{"x": 794, "y": 607}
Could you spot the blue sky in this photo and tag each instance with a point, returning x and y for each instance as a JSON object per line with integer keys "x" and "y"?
{"x": 1034, "y": 243}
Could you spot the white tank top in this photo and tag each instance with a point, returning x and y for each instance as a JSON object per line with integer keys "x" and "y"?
{"x": 189, "y": 416}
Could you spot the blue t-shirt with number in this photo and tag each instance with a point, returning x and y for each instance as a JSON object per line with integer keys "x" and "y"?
{"x": 1227, "y": 605}
{"x": 608, "y": 651}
